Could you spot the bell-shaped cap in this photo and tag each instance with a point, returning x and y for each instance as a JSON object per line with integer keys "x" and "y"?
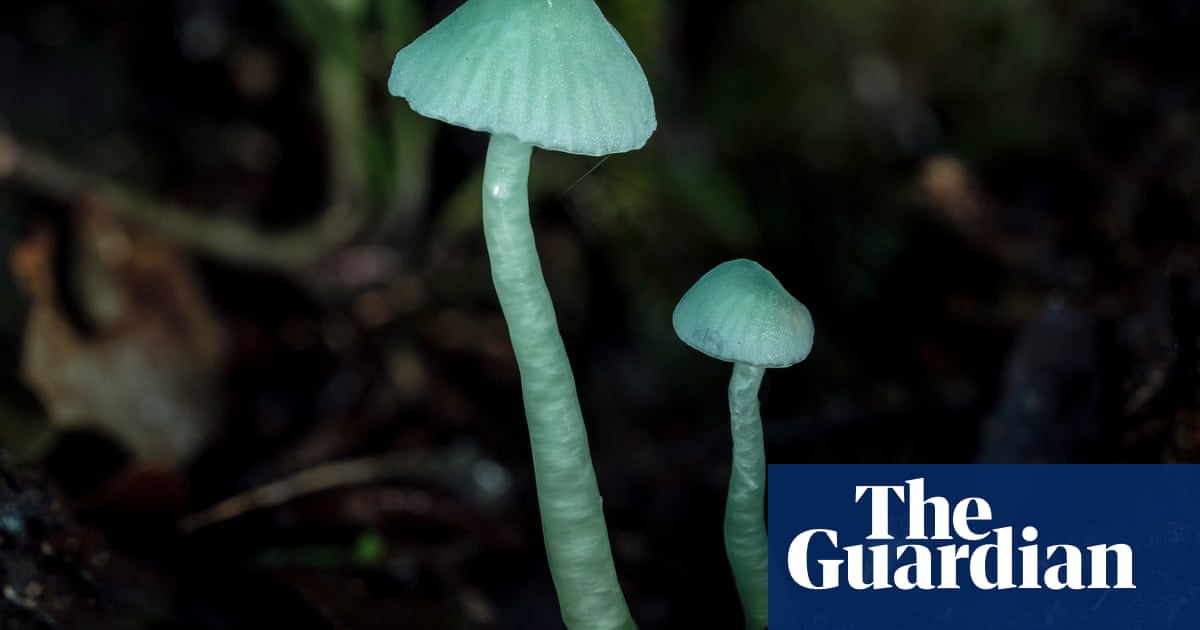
{"x": 738, "y": 312}
{"x": 551, "y": 73}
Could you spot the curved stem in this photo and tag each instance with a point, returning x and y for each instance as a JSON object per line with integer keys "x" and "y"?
{"x": 745, "y": 531}
{"x": 572, "y": 520}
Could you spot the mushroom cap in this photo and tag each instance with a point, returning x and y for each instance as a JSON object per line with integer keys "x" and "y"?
{"x": 551, "y": 73}
{"x": 738, "y": 312}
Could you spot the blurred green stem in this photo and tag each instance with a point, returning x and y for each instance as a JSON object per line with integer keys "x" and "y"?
{"x": 384, "y": 170}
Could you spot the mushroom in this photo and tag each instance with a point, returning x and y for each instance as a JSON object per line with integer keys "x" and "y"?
{"x": 553, "y": 74}
{"x": 738, "y": 312}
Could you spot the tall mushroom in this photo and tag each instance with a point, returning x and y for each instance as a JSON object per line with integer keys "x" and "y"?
{"x": 738, "y": 312}
{"x": 553, "y": 74}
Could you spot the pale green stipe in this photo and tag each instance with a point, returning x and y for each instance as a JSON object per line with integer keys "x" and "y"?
{"x": 572, "y": 519}
{"x": 745, "y": 532}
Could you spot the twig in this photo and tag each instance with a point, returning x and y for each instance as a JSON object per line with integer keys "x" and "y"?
{"x": 228, "y": 239}
{"x": 312, "y": 480}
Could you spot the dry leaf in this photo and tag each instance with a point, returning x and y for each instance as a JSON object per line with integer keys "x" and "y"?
{"x": 148, "y": 375}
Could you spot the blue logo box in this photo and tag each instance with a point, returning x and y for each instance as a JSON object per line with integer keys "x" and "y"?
{"x": 890, "y": 547}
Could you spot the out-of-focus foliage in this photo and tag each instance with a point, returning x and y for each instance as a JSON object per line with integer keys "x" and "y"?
{"x": 147, "y": 374}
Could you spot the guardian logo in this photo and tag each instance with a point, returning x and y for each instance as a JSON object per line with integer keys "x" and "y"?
{"x": 974, "y": 550}
{"x": 983, "y": 547}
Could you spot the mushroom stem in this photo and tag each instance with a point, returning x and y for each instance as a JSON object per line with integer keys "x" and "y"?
{"x": 745, "y": 532}
{"x": 573, "y": 525}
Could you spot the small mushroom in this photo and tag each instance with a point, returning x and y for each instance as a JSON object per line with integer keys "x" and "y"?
{"x": 553, "y": 74}
{"x": 738, "y": 312}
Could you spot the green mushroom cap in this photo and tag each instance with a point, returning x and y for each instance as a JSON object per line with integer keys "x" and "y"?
{"x": 738, "y": 312}
{"x": 551, "y": 73}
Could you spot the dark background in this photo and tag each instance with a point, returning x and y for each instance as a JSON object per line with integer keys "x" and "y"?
{"x": 235, "y": 260}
